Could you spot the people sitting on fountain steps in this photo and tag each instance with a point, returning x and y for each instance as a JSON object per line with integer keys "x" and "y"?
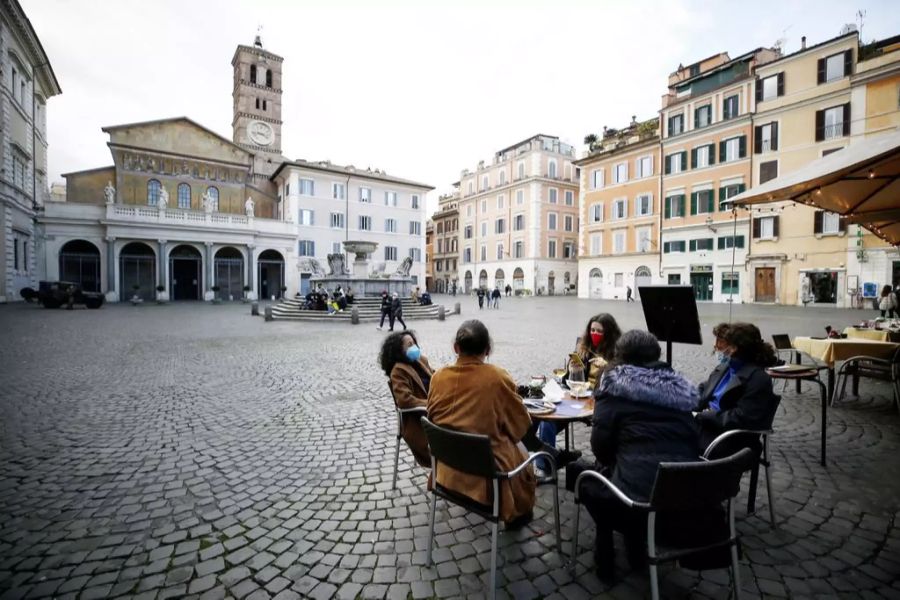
{"x": 397, "y": 311}
{"x": 385, "y": 310}
{"x": 414, "y": 295}
{"x": 349, "y": 295}
{"x": 410, "y": 375}
{"x": 738, "y": 393}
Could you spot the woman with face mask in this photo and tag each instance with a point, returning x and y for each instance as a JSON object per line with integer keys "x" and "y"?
{"x": 410, "y": 375}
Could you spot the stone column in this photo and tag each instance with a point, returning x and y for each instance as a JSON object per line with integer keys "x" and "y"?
{"x": 163, "y": 268}
{"x": 210, "y": 275}
{"x": 111, "y": 268}
{"x": 251, "y": 271}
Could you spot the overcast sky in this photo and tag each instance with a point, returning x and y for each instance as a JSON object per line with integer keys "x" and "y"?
{"x": 421, "y": 89}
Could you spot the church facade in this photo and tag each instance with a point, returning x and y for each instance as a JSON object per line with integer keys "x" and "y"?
{"x": 183, "y": 213}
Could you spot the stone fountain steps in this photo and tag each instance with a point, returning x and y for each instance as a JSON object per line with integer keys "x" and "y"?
{"x": 369, "y": 310}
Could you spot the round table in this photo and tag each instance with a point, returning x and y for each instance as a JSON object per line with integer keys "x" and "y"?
{"x": 569, "y": 410}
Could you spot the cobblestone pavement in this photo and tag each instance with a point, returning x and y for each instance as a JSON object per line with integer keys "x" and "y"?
{"x": 195, "y": 451}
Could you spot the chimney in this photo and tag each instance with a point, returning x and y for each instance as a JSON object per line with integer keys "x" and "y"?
{"x": 803, "y": 43}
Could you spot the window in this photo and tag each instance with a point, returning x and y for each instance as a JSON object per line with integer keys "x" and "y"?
{"x": 454, "y": 246}
{"x": 596, "y": 213}
{"x": 153, "y": 188}
{"x": 483, "y": 253}
{"x": 827, "y": 222}
{"x": 702, "y": 116}
{"x": 620, "y": 174}
{"x": 765, "y": 228}
{"x": 676, "y": 125}
{"x": 467, "y": 255}
{"x": 265, "y": 105}
{"x": 440, "y": 246}
{"x": 770, "y": 87}
{"x": 765, "y": 138}
{"x": 618, "y": 242}
{"x": 306, "y": 248}
{"x": 733, "y": 149}
{"x": 15, "y": 254}
{"x": 597, "y": 179}
{"x": 390, "y": 225}
{"x": 835, "y": 66}
{"x": 415, "y": 228}
{"x": 184, "y": 195}
{"x": 484, "y": 229}
{"x": 674, "y": 206}
{"x": 730, "y": 108}
{"x": 551, "y": 221}
{"x": 520, "y": 197}
{"x": 415, "y": 254}
{"x": 520, "y": 169}
{"x": 390, "y": 253}
{"x": 727, "y": 192}
{"x": 518, "y": 222}
{"x": 674, "y": 279}
{"x": 365, "y": 223}
{"x": 645, "y": 166}
{"x": 335, "y": 247}
{"x": 518, "y": 250}
{"x": 553, "y": 195}
{"x": 438, "y": 264}
{"x": 701, "y": 244}
{"x": 833, "y": 122}
{"x": 569, "y": 250}
{"x": 619, "y": 279}
{"x": 499, "y": 251}
{"x": 467, "y": 232}
{"x": 471, "y": 187}
{"x": 390, "y": 198}
{"x": 551, "y": 169}
{"x": 337, "y": 220}
{"x": 551, "y": 249}
{"x": 596, "y": 242}
{"x": 500, "y": 202}
{"x": 676, "y": 163}
{"x": 306, "y": 217}
{"x": 570, "y": 198}
{"x": 414, "y": 201}
{"x": 768, "y": 170}
{"x": 730, "y": 241}
{"x": 213, "y": 194}
{"x": 620, "y": 208}
{"x": 702, "y": 156}
{"x": 502, "y": 176}
{"x": 500, "y": 226}
{"x": 673, "y": 247}
{"x": 469, "y": 210}
{"x": 485, "y": 183}
{"x": 18, "y": 171}
{"x": 702, "y": 202}
{"x": 268, "y": 78}
{"x": 568, "y": 223}
{"x": 484, "y": 206}
{"x": 642, "y": 235}
{"x": 365, "y": 194}
{"x": 730, "y": 283}
{"x": 338, "y": 191}
{"x": 307, "y": 187}
{"x": 643, "y": 205}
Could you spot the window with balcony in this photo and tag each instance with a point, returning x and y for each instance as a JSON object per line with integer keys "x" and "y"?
{"x": 702, "y": 116}
{"x": 620, "y": 208}
{"x": 365, "y": 223}
{"x": 518, "y": 222}
{"x": 833, "y": 123}
{"x": 307, "y": 187}
{"x": 551, "y": 221}
{"x": 552, "y": 195}
{"x": 390, "y": 253}
{"x": 645, "y": 166}
{"x": 643, "y": 205}
{"x": 153, "y": 189}
{"x": 731, "y": 107}
{"x": 306, "y": 217}
{"x": 620, "y": 173}
{"x": 338, "y": 191}
{"x": 306, "y": 248}
{"x": 765, "y": 138}
{"x": 596, "y": 213}
{"x": 570, "y": 198}
{"x": 365, "y": 194}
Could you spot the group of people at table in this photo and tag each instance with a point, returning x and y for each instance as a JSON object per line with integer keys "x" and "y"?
{"x": 644, "y": 413}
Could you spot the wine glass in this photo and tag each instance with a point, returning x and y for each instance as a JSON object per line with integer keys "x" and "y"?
{"x": 576, "y": 379}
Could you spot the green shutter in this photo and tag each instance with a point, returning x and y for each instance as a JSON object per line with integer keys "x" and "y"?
{"x": 684, "y": 160}
{"x": 693, "y": 158}
{"x": 712, "y": 154}
{"x": 668, "y": 165}
{"x": 722, "y": 154}
{"x": 739, "y": 242}
{"x": 710, "y": 201}
{"x": 693, "y": 245}
{"x": 693, "y": 203}
{"x": 667, "y": 209}
{"x": 721, "y": 195}
{"x": 681, "y": 205}
{"x": 741, "y": 187}
{"x": 742, "y": 151}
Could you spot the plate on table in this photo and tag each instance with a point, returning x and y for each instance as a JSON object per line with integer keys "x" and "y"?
{"x": 579, "y": 389}
{"x": 539, "y": 407}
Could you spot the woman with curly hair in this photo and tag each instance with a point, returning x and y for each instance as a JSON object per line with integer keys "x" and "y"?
{"x": 738, "y": 393}
{"x": 597, "y": 345}
{"x": 410, "y": 379}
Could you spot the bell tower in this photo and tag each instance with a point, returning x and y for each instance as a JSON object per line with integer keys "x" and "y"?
{"x": 256, "y": 121}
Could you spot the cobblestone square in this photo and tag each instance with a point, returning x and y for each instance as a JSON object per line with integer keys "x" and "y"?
{"x": 192, "y": 450}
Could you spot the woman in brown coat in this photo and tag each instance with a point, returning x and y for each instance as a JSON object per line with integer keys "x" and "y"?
{"x": 410, "y": 376}
{"x": 475, "y": 397}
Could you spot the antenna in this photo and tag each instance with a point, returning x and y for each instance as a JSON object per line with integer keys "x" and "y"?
{"x": 860, "y": 16}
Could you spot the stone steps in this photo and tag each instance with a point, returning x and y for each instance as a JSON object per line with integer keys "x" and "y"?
{"x": 369, "y": 310}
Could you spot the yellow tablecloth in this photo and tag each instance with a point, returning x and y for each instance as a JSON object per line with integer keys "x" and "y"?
{"x": 831, "y": 350}
{"x": 878, "y": 335}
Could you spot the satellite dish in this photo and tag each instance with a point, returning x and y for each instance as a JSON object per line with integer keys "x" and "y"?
{"x": 848, "y": 28}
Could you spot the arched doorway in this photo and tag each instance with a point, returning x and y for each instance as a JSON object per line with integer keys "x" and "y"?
{"x": 642, "y": 276}
{"x": 551, "y": 283}
{"x": 137, "y": 271}
{"x": 482, "y": 279}
{"x": 271, "y": 274}
{"x": 518, "y": 280}
{"x": 468, "y": 282}
{"x": 186, "y": 272}
{"x": 79, "y": 262}
{"x": 567, "y": 281}
{"x": 229, "y": 270}
{"x": 500, "y": 279}
{"x": 596, "y": 283}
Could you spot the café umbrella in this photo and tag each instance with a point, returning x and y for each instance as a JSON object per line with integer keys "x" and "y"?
{"x": 860, "y": 182}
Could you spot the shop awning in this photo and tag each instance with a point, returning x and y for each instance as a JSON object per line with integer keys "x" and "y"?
{"x": 860, "y": 182}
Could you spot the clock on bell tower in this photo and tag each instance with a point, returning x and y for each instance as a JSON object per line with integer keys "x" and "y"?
{"x": 256, "y": 121}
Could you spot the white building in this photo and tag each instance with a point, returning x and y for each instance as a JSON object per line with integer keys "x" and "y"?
{"x": 333, "y": 203}
{"x": 26, "y": 83}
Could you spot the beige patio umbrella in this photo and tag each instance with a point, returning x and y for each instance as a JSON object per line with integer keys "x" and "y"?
{"x": 860, "y": 182}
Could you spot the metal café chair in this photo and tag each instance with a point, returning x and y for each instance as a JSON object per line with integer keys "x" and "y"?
{"x": 800, "y": 373}
{"x": 471, "y": 454}
{"x": 783, "y": 344}
{"x": 734, "y": 440}
{"x": 874, "y": 368}
{"x": 681, "y": 487}
{"x": 401, "y": 412}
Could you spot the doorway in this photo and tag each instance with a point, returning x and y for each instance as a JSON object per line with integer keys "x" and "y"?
{"x": 765, "y": 284}
{"x": 271, "y": 274}
{"x": 596, "y": 283}
{"x": 185, "y": 268}
{"x": 79, "y": 262}
{"x": 703, "y": 286}
{"x": 229, "y": 265}
{"x": 642, "y": 277}
{"x": 137, "y": 271}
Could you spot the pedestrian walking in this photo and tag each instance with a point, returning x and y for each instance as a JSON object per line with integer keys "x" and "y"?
{"x": 628, "y": 297}
{"x": 397, "y": 311}
{"x": 888, "y": 303}
{"x": 495, "y": 297}
{"x": 480, "y": 293}
{"x": 508, "y": 290}
{"x": 385, "y": 310}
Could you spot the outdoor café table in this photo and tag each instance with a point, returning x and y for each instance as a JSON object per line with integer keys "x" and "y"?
{"x": 832, "y": 350}
{"x": 567, "y": 411}
{"x": 877, "y": 335}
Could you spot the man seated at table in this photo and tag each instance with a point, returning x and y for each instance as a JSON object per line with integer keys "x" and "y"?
{"x": 738, "y": 393}
{"x": 476, "y": 397}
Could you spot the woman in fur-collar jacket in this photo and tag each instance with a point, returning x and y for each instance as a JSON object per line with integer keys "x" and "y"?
{"x": 642, "y": 416}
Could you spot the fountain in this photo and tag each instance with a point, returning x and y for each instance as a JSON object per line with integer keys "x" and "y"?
{"x": 361, "y": 280}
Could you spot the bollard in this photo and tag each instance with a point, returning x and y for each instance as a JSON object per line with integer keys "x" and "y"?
{"x": 457, "y": 310}
{"x": 268, "y": 312}
{"x": 354, "y": 316}
{"x": 442, "y": 313}
{"x": 254, "y": 309}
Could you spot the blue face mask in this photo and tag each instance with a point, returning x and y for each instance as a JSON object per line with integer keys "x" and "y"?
{"x": 722, "y": 357}
{"x": 413, "y": 353}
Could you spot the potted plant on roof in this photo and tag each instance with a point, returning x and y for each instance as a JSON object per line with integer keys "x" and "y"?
{"x": 135, "y": 299}
{"x": 161, "y": 296}
{"x": 215, "y": 294}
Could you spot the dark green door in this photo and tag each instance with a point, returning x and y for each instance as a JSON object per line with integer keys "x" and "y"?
{"x": 702, "y": 283}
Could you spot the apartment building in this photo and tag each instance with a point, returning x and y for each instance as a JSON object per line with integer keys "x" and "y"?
{"x": 519, "y": 219}
{"x": 806, "y": 109}
{"x": 619, "y": 212}
{"x": 706, "y": 122}
{"x": 445, "y": 257}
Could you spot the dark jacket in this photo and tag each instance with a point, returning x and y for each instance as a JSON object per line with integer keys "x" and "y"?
{"x": 397, "y": 307}
{"x": 642, "y": 416}
{"x": 480, "y": 293}
{"x": 385, "y": 304}
{"x": 747, "y": 403}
